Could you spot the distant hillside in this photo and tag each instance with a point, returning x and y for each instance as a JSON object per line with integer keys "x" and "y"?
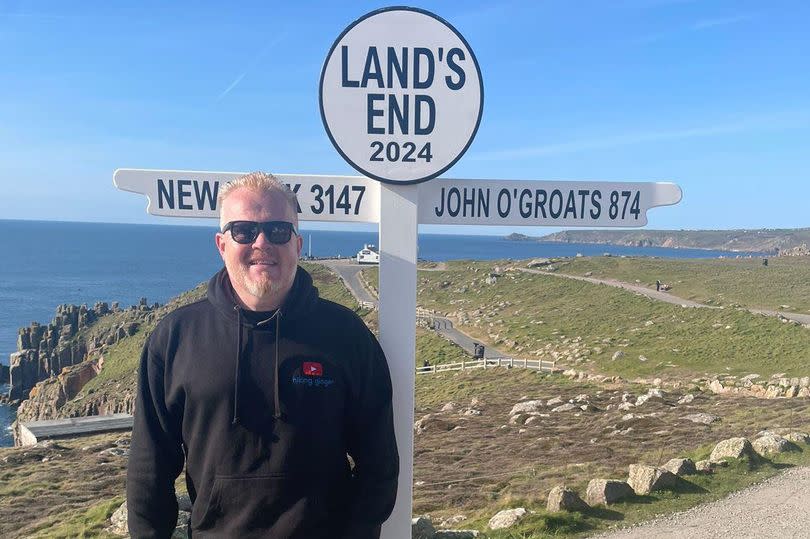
{"x": 773, "y": 241}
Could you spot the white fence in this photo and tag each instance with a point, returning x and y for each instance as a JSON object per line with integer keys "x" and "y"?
{"x": 490, "y": 362}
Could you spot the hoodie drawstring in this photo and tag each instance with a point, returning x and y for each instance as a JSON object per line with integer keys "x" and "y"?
{"x": 238, "y": 357}
{"x": 277, "y": 403}
{"x": 276, "y": 399}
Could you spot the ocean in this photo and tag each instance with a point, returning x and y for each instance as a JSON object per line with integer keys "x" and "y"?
{"x": 49, "y": 263}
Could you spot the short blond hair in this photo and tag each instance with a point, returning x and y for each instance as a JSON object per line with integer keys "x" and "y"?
{"x": 261, "y": 182}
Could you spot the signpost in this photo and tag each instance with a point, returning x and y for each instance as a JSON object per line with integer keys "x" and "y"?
{"x": 401, "y": 98}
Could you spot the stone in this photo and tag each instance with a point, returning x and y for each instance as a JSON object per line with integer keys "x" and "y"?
{"x": 567, "y": 407}
{"x": 704, "y": 418}
{"x": 456, "y": 534}
{"x": 772, "y": 444}
{"x": 704, "y": 466}
{"x": 431, "y": 422}
{"x": 422, "y": 528}
{"x": 528, "y": 406}
{"x": 680, "y": 466}
{"x": 449, "y": 407}
{"x": 555, "y": 401}
{"x": 773, "y": 392}
{"x": 617, "y": 355}
{"x": 506, "y": 518}
{"x": 624, "y": 406}
{"x": 607, "y": 491}
{"x": 686, "y": 399}
{"x": 732, "y": 448}
{"x": 118, "y": 521}
{"x": 798, "y": 437}
{"x": 452, "y": 521}
{"x": 716, "y": 387}
{"x": 564, "y": 499}
{"x": 645, "y": 479}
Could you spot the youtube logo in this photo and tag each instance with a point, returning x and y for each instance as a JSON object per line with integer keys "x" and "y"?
{"x": 311, "y": 368}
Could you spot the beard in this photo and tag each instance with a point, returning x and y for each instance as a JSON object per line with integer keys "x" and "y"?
{"x": 264, "y": 286}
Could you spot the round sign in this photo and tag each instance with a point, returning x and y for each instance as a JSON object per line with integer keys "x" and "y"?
{"x": 401, "y": 95}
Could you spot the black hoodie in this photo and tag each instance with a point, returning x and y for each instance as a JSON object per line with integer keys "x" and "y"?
{"x": 263, "y": 412}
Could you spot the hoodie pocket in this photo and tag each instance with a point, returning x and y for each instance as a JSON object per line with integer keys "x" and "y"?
{"x": 239, "y": 505}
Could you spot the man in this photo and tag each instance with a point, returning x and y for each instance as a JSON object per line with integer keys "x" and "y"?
{"x": 262, "y": 389}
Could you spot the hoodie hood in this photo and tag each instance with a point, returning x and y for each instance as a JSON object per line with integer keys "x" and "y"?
{"x": 300, "y": 300}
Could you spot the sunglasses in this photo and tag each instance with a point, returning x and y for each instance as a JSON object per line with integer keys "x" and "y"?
{"x": 246, "y": 232}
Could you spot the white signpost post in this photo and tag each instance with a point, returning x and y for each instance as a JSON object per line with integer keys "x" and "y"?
{"x": 401, "y": 99}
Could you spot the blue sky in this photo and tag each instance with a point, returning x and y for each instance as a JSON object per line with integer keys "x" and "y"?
{"x": 713, "y": 95}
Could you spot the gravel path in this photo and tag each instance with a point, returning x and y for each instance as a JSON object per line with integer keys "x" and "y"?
{"x": 669, "y": 298}
{"x": 776, "y": 508}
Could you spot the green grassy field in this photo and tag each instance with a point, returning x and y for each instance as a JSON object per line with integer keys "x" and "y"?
{"x": 584, "y": 325}
{"x": 727, "y": 281}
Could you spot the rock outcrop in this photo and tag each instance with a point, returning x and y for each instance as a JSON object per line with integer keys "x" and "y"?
{"x": 48, "y": 396}
{"x": 732, "y": 448}
{"x": 607, "y": 491}
{"x": 645, "y": 479}
{"x": 506, "y": 518}
{"x": 564, "y": 499}
{"x": 44, "y": 350}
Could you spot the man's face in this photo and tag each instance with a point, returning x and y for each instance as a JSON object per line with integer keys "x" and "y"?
{"x": 261, "y": 273}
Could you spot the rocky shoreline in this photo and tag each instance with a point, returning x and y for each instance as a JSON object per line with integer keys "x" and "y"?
{"x": 54, "y": 361}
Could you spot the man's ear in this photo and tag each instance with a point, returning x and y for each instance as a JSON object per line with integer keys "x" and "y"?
{"x": 300, "y": 244}
{"x": 219, "y": 240}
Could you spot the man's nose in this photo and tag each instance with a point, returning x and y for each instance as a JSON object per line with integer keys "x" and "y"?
{"x": 261, "y": 241}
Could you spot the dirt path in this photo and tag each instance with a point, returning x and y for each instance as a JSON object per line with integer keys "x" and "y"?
{"x": 776, "y": 508}
{"x": 668, "y": 297}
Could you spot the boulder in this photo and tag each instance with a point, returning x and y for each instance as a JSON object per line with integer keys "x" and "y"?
{"x": 617, "y": 355}
{"x": 645, "y": 479}
{"x": 798, "y": 437}
{"x": 686, "y": 399}
{"x": 433, "y": 423}
{"x": 706, "y": 419}
{"x": 567, "y": 407}
{"x": 772, "y": 444}
{"x": 564, "y": 499}
{"x": 449, "y": 407}
{"x": 118, "y": 521}
{"x": 528, "y": 406}
{"x": 607, "y": 491}
{"x": 680, "y": 467}
{"x": 554, "y": 401}
{"x": 506, "y": 518}
{"x": 732, "y": 448}
{"x": 422, "y": 528}
{"x": 704, "y": 466}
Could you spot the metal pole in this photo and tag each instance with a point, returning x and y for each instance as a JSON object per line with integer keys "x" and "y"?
{"x": 398, "y": 235}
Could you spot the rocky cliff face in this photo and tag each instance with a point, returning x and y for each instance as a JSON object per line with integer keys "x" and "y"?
{"x": 4, "y": 374}
{"x": 44, "y": 351}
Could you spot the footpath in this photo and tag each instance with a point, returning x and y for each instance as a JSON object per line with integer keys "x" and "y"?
{"x": 668, "y": 297}
{"x": 349, "y": 272}
{"x": 775, "y": 508}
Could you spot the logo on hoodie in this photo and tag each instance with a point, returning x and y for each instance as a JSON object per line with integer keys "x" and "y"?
{"x": 312, "y": 375}
{"x": 312, "y": 368}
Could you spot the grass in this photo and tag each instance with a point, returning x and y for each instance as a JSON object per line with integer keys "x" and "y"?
{"x": 583, "y": 325}
{"x": 490, "y": 464}
{"x": 744, "y": 281}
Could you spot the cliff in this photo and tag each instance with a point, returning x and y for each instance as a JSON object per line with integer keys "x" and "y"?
{"x": 76, "y": 333}
{"x": 782, "y": 242}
